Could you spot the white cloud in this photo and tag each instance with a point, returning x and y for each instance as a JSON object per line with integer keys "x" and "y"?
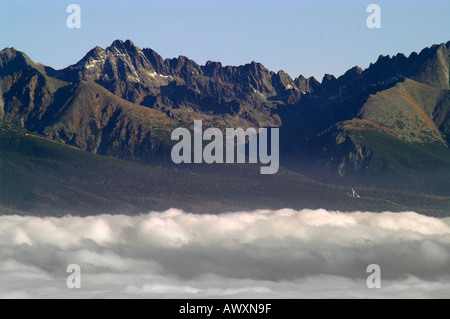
{"x": 260, "y": 254}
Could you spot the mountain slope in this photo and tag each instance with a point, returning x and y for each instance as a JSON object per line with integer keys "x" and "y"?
{"x": 95, "y": 120}
{"x": 83, "y": 114}
{"x": 41, "y": 177}
{"x": 180, "y": 86}
{"x": 406, "y": 100}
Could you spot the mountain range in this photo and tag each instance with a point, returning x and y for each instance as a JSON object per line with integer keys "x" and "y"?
{"x": 385, "y": 127}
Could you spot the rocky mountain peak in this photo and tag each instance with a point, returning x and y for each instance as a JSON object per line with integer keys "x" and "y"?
{"x": 431, "y": 66}
{"x": 306, "y": 85}
{"x": 211, "y": 68}
{"x": 350, "y": 76}
{"x": 159, "y": 65}
{"x": 13, "y": 60}
{"x": 183, "y": 65}
{"x": 8, "y": 54}
{"x": 118, "y": 45}
{"x": 127, "y": 48}
{"x": 284, "y": 82}
{"x": 328, "y": 78}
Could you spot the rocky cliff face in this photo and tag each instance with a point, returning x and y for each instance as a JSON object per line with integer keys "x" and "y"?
{"x": 180, "y": 86}
{"x": 81, "y": 114}
{"x": 123, "y": 101}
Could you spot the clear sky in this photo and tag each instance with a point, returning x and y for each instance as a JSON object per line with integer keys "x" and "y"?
{"x": 298, "y": 36}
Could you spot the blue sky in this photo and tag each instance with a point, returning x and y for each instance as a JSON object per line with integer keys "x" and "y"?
{"x": 299, "y": 37}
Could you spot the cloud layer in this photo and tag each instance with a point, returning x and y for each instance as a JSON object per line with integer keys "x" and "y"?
{"x": 260, "y": 254}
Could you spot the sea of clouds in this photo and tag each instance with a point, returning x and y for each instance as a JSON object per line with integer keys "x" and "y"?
{"x": 260, "y": 254}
